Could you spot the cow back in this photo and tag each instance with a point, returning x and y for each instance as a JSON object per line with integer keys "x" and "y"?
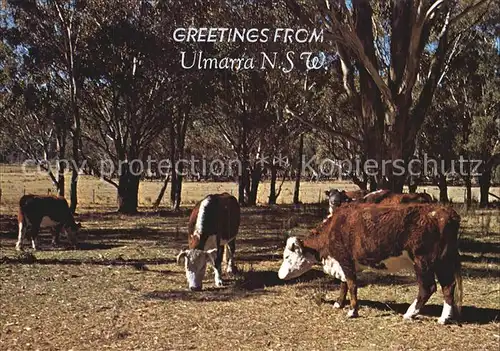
{"x": 33, "y": 208}
{"x": 369, "y": 233}
{"x": 221, "y": 217}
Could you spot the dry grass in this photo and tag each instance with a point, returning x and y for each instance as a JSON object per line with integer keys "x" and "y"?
{"x": 123, "y": 290}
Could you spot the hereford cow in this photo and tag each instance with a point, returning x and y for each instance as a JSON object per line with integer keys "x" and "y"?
{"x": 358, "y": 236}
{"x": 213, "y": 224}
{"x": 36, "y": 212}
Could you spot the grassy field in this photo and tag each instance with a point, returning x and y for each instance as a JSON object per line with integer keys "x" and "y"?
{"x": 121, "y": 290}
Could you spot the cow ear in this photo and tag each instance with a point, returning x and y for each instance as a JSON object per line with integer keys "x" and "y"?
{"x": 287, "y": 234}
{"x": 181, "y": 255}
{"x": 212, "y": 255}
{"x": 327, "y": 192}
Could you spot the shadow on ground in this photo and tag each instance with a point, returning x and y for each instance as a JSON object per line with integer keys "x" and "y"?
{"x": 470, "y": 314}
{"x": 206, "y": 295}
{"x": 29, "y": 258}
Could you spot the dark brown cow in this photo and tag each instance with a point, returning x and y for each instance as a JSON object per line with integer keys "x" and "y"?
{"x": 36, "y": 212}
{"x": 213, "y": 224}
{"x": 358, "y": 236}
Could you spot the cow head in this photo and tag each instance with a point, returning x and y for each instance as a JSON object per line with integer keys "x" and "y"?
{"x": 195, "y": 263}
{"x": 336, "y": 198}
{"x": 72, "y": 230}
{"x": 296, "y": 260}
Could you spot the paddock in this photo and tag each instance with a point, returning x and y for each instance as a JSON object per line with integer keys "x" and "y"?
{"x": 123, "y": 290}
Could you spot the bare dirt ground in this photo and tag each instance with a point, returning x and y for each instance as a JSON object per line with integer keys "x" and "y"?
{"x": 123, "y": 290}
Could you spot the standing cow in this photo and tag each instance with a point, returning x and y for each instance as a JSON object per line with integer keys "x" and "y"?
{"x": 36, "y": 212}
{"x": 213, "y": 224}
{"x": 357, "y": 236}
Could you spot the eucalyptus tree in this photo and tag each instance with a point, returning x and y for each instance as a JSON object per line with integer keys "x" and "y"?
{"x": 393, "y": 54}
{"x": 51, "y": 33}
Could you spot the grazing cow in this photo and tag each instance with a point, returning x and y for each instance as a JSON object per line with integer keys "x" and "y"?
{"x": 36, "y": 212}
{"x": 213, "y": 224}
{"x": 358, "y": 236}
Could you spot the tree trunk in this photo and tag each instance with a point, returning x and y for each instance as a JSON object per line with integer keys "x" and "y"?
{"x": 173, "y": 171}
{"x": 128, "y": 191}
{"x": 178, "y": 190}
{"x": 272, "y": 190}
{"x": 241, "y": 186}
{"x": 412, "y": 184}
{"x": 76, "y": 132}
{"x": 443, "y": 189}
{"x": 61, "y": 155}
{"x": 157, "y": 202}
{"x": 468, "y": 190}
{"x": 254, "y": 187}
{"x": 298, "y": 171}
{"x": 60, "y": 179}
{"x": 484, "y": 184}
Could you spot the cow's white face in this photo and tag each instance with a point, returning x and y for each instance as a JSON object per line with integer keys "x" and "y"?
{"x": 195, "y": 263}
{"x": 295, "y": 261}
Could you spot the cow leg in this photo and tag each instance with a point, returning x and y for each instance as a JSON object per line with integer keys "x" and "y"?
{"x": 21, "y": 235}
{"x": 231, "y": 248}
{"x": 340, "y": 303}
{"x": 426, "y": 287}
{"x": 71, "y": 238}
{"x": 34, "y": 236}
{"x": 352, "y": 286}
{"x": 446, "y": 278}
{"x": 55, "y": 235}
{"x": 218, "y": 265}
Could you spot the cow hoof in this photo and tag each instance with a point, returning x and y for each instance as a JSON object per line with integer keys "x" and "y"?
{"x": 337, "y": 305}
{"x": 231, "y": 270}
{"x": 219, "y": 284}
{"x": 443, "y": 321}
{"x": 19, "y": 248}
{"x": 352, "y": 314}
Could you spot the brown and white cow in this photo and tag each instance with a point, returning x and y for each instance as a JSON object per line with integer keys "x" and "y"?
{"x": 37, "y": 212}
{"x": 213, "y": 225}
{"x": 358, "y": 236}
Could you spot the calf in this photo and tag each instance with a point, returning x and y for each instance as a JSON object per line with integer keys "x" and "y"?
{"x": 358, "y": 236}
{"x": 213, "y": 224}
{"x": 36, "y": 212}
